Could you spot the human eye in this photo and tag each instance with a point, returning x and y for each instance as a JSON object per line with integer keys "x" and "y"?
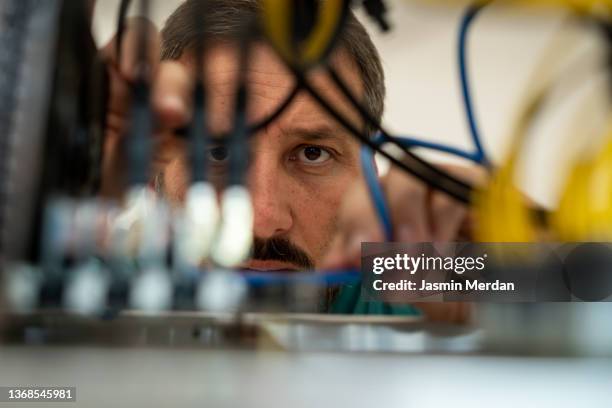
{"x": 218, "y": 155}
{"x": 313, "y": 155}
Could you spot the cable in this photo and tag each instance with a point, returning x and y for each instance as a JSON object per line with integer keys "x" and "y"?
{"x": 412, "y": 164}
{"x": 469, "y": 16}
{"x": 321, "y": 39}
{"x": 277, "y": 112}
{"x": 479, "y": 155}
{"x": 411, "y": 142}
{"x": 198, "y": 132}
{"x": 376, "y": 193}
{"x": 319, "y": 278}
{"x": 503, "y": 215}
{"x": 375, "y": 190}
{"x": 235, "y": 235}
{"x": 141, "y": 129}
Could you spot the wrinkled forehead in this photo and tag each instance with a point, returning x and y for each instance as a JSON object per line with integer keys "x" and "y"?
{"x": 269, "y": 82}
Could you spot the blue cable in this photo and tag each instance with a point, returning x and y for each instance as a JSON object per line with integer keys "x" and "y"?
{"x": 259, "y": 279}
{"x": 376, "y": 192}
{"x": 328, "y": 278}
{"x": 466, "y": 22}
{"x": 479, "y": 156}
{"x": 408, "y": 142}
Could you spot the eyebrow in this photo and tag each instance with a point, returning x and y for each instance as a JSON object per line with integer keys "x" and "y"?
{"x": 317, "y": 133}
{"x": 312, "y": 134}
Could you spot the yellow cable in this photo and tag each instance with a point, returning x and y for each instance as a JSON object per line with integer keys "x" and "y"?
{"x": 503, "y": 215}
{"x": 598, "y": 193}
{"x": 312, "y": 49}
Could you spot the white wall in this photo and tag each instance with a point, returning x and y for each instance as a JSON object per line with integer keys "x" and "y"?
{"x": 424, "y": 99}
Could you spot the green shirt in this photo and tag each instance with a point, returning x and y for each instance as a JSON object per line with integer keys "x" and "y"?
{"x": 350, "y": 301}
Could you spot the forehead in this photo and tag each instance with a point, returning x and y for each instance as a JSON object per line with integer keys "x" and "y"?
{"x": 269, "y": 82}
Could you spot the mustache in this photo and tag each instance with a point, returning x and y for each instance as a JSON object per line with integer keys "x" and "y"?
{"x": 281, "y": 249}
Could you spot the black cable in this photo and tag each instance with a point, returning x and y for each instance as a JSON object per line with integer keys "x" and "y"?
{"x": 335, "y": 37}
{"x": 238, "y": 148}
{"x": 422, "y": 169}
{"x": 14, "y": 15}
{"x": 411, "y": 163}
{"x": 123, "y": 9}
{"x": 277, "y": 112}
{"x": 141, "y": 123}
{"x": 377, "y": 10}
{"x": 198, "y": 132}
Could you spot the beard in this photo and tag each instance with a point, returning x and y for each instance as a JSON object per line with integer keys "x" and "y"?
{"x": 281, "y": 249}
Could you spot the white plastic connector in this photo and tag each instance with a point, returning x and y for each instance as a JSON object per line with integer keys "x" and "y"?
{"x": 58, "y": 232}
{"x": 127, "y": 226}
{"x": 87, "y": 215}
{"x": 151, "y": 291}
{"x": 235, "y": 236}
{"x": 22, "y": 288}
{"x": 142, "y": 228}
{"x": 197, "y": 224}
{"x": 221, "y": 291}
{"x": 87, "y": 290}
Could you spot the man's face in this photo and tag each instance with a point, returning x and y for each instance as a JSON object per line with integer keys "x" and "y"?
{"x": 300, "y": 165}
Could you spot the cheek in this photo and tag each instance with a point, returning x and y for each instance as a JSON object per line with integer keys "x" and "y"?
{"x": 317, "y": 213}
{"x": 176, "y": 181}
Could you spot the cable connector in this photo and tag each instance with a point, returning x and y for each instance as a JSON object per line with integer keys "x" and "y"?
{"x": 197, "y": 226}
{"x": 235, "y": 236}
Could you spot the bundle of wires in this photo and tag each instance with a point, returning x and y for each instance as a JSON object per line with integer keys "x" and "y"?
{"x": 411, "y": 163}
{"x": 503, "y": 213}
{"x": 311, "y": 51}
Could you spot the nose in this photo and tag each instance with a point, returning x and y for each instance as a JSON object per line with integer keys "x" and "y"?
{"x": 270, "y": 193}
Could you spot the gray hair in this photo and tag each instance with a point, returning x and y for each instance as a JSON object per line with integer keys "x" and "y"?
{"x": 225, "y": 18}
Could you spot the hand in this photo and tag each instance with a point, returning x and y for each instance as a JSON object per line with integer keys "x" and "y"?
{"x": 418, "y": 213}
{"x": 171, "y": 92}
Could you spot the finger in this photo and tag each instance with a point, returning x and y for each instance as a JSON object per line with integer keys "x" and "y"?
{"x": 407, "y": 200}
{"x": 172, "y": 92}
{"x": 446, "y": 217}
{"x": 449, "y": 219}
{"x": 118, "y": 102}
